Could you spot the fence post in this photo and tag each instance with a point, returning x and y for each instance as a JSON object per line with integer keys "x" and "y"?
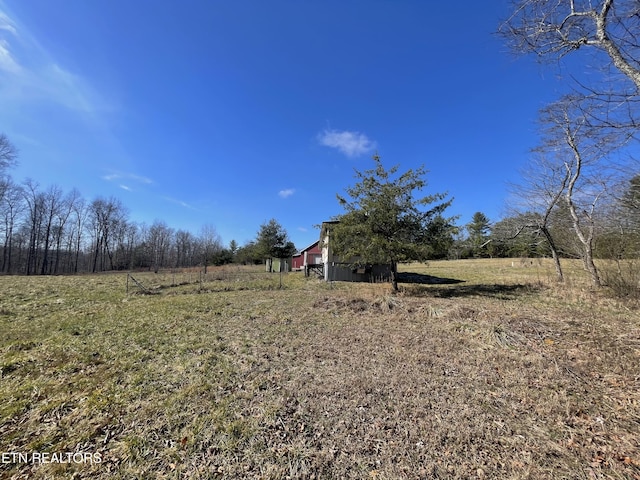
{"x": 142, "y": 287}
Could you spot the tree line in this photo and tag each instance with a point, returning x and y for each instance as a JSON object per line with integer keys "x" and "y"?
{"x": 616, "y": 235}
{"x": 46, "y": 231}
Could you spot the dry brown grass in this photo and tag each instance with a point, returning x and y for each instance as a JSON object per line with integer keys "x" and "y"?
{"x": 503, "y": 375}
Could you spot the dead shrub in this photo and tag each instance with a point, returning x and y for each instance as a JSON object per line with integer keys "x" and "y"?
{"x": 623, "y": 278}
{"x": 462, "y": 312}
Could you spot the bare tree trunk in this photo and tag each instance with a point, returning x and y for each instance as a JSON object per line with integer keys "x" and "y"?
{"x": 394, "y": 275}
{"x": 77, "y": 253}
{"x": 56, "y": 262}
{"x": 6, "y": 255}
{"x": 586, "y": 239}
{"x": 554, "y": 253}
{"x": 45, "y": 258}
{"x": 9, "y": 222}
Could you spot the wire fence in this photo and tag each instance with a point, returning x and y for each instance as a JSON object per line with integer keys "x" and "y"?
{"x": 216, "y": 278}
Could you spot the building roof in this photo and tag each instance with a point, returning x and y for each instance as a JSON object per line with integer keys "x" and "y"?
{"x": 300, "y": 252}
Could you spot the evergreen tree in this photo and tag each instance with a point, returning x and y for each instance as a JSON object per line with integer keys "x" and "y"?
{"x": 440, "y": 233}
{"x": 273, "y": 241}
{"x": 479, "y": 229}
{"x": 384, "y": 222}
{"x": 233, "y": 247}
{"x": 519, "y": 236}
{"x": 248, "y": 254}
{"x": 629, "y": 227}
{"x": 631, "y": 204}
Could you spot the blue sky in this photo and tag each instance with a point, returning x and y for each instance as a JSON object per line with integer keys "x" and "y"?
{"x": 234, "y": 112}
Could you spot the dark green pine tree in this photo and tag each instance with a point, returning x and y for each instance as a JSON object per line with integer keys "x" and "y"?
{"x": 384, "y": 222}
{"x": 479, "y": 229}
{"x": 273, "y": 241}
{"x": 631, "y": 217}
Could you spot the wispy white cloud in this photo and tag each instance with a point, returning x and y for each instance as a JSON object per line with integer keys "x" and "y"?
{"x": 6, "y": 23}
{"x": 352, "y": 144}
{"x": 302, "y": 229}
{"x": 68, "y": 89}
{"x": 29, "y": 73}
{"x": 125, "y": 187}
{"x": 7, "y": 62}
{"x": 286, "y": 193}
{"x": 180, "y": 202}
{"x": 7, "y": 29}
{"x": 127, "y": 176}
{"x": 140, "y": 179}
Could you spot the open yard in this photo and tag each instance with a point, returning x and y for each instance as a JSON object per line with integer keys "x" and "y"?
{"x": 491, "y": 372}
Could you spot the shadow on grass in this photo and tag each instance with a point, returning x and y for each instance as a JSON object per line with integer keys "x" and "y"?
{"x": 451, "y": 288}
{"x": 502, "y": 292}
{"x": 409, "y": 277}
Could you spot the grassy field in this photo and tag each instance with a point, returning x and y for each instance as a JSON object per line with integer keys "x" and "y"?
{"x": 490, "y": 371}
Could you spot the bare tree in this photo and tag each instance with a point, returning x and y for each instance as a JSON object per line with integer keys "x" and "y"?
{"x": 159, "y": 240}
{"x": 11, "y": 206}
{"x": 186, "y": 247}
{"x": 554, "y": 29}
{"x": 35, "y": 202}
{"x": 8, "y": 153}
{"x": 127, "y": 235}
{"x": 609, "y": 29}
{"x": 75, "y": 235}
{"x": 65, "y": 229}
{"x": 544, "y": 183}
{"x": 211, "y": 243}
{"x": 584, "y": 129}
{"x": 103, "y": 218}
{"x": 52, "y": 204}
{"x": 586, "y": 155}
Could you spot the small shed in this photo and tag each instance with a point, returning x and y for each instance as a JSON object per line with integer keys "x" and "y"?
{"x": 278, "y": 264}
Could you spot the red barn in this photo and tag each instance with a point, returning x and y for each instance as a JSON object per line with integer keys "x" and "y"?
{"x": 307, "y": 257}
